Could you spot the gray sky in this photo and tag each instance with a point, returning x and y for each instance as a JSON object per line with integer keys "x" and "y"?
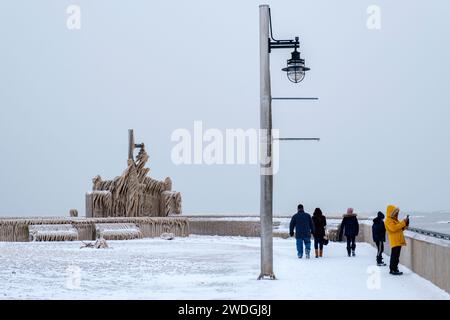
{"x": 67, "y": 98}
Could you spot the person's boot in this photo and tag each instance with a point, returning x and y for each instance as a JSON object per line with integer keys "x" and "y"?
{"x": 348, "y": 251}
{"x": 353, "y": 253}
{"x": 380, "y": 262}
{"x": 317, "y": 253}
{"x": 307, "y": 254}
{"x": 396, "y": 273}
{"x": 321, "y": 253}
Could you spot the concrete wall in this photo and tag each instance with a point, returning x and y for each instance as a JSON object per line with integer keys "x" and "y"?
{"x": 427, "y": 256}
{"x": 221, "y": 227}
{"x": 243, "y": 226}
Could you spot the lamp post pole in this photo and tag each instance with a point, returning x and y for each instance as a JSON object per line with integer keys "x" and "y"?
{"x": 295, "y": 71}
{"x": 266, "y": 173}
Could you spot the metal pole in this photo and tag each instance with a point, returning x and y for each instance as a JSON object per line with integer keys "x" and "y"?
{"x": 266, "y": 174}
{"x": 293, "y": 98}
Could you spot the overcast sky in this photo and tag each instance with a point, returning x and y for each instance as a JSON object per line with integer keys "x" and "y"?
{"x": 67, "y": 98}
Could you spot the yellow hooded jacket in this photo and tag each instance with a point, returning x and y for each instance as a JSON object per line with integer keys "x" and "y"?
{"x": 394, "y": 227}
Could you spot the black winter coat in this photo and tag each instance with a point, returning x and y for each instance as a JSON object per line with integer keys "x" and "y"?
{"x": 319, "y": 222}
{"x": 349, "y": 226}
{"x": 378, "y": 228}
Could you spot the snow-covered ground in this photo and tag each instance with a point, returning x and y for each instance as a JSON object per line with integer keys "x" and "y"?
{"x": 198, "y": 267}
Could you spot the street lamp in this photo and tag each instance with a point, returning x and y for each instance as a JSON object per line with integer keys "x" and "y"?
{"x": 295, "y": 71}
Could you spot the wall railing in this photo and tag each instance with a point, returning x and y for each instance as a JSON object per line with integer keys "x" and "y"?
{"x": 430, "y": 233}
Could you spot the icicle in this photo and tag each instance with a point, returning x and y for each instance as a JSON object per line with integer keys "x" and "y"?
{"x": 52, "y": 232}
{"x": 20, "y": 229}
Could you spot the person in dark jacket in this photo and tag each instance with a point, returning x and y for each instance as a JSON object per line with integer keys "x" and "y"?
{"x": 379, "y": 236}
{"x": 319, "y": 222}
{"x": 350, "y": 228}
{"x": 303, "y": 225}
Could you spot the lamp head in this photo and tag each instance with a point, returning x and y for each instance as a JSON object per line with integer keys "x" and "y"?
{"x": 295, "y": 68}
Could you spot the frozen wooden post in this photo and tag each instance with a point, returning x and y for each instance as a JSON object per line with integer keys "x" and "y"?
{"x": 73, "y": 213}
{"x": 130, "y": 144}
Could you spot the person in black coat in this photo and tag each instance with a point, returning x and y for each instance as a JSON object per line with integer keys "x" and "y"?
{"x": 379, "y": 236}
{"x": 303, "y": 225}
{"x": 319, "y": 222}
{"x": 350, "y": 228}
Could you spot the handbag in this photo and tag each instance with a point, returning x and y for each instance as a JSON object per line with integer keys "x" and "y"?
{"x": 325, "y": 238}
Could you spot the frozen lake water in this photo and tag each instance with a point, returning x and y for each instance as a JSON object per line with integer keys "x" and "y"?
{"x": 198, "y": 267}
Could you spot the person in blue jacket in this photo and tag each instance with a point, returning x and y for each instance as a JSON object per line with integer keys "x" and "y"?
{"x": 349, "y": 227}
{"x": 304, "y": 227}
{"x": 379, "y": 236}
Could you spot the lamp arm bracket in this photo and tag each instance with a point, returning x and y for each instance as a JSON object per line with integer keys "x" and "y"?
{"x": 280, "y": 44}
{"x": 284, "y": 44}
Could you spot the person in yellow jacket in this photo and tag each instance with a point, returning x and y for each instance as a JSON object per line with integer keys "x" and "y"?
{"x": 395, "y": 229}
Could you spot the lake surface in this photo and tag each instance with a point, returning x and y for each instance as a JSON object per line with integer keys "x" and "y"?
{"x": 438, "y": 221}
{"x": 434, "y": 221}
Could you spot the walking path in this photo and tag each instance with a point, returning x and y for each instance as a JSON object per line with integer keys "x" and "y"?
{"x": 198, "y": 267}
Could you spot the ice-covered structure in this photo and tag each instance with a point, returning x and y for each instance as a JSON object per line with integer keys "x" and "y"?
{"x": 134, "y": 193}
{"x": 132, "y": 206}
{"x": 52, "y": 232}
{"x": 118, "y": 231}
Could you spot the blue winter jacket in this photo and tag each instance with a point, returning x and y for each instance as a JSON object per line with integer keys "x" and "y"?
{"x": 303, "y": 225}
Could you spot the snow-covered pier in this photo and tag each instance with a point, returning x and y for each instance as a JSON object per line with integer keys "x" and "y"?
{"x": 425, "y": 257}
{"x": 198, "y": 267}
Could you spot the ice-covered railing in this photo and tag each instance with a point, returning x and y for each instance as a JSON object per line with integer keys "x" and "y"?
{"x": 433, "y": 234}
{"x": 430, "y": 233}
{"x": 52, "y": 232}
{"x": 118, "y": 231}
